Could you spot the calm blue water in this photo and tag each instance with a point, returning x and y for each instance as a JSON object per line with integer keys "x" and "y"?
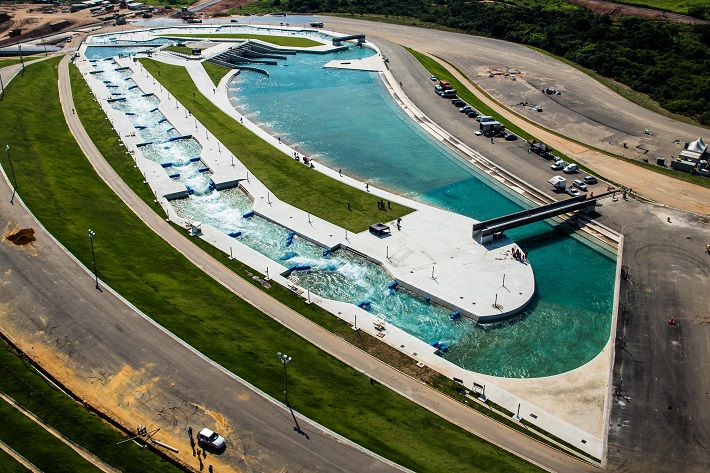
{"x": 347, "y": 121}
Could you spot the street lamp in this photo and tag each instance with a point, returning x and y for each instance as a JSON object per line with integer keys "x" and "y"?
{"x": 285, "y": 360}
{"x": 12, "y": 171}
{"x": 93, "y": 256}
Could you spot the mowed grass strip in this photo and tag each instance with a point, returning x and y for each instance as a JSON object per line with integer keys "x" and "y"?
{"x": 35, "y": 444}
{"x": 61, "y": 188}
{"x": 215, "y": 71}
{"x": 180, "y": 49}
{"x": 8, "y": 464}
{"x": 287, "y": 178}
{"x": 287, "y": 41}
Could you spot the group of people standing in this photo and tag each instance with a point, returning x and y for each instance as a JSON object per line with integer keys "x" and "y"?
{"x": 381, "y": 205}
{"x": 520, "y": 255}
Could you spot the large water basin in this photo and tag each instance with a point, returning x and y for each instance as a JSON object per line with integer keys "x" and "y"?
{"x": 363, "y": 132}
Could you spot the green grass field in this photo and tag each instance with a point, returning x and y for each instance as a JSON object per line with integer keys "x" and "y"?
{"x": 61, "y": 188}
{"x": 180, "y": 49}
{"x": 288, "y": 41}
{"x": 215, "y": 71}
{"x": 9, "y": 62}
{"x": 38, "y": 446}
{"x": 10, "y": 465}
{"x": 287, "y": 178}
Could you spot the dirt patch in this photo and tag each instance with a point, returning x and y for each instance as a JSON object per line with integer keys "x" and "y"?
{"x": 615, "y": 10}
{"x": 21, "y": 236}
{"x": 223, "y": 7}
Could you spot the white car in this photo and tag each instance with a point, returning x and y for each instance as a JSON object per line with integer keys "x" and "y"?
{"x": 579, "y": 185}
{"x": 572, "y": 191}
{"x": 559, "y": 165}
{"x": 209, "y": 438}
{"x": 571, "y": 168}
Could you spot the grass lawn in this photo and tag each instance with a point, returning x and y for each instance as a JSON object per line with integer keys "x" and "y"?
{"x": 9, "y": 465}
{"x": 180, "y": 49}
{"x": 20, "y": 381}
{"x": 215, "y": 71}
{"x": 287, "y": 178}
{"x": 9, "y": 62}
{"x": 57, "y": 183}
{"x": 42, "y": 449}
{"x": 288, "y": 41}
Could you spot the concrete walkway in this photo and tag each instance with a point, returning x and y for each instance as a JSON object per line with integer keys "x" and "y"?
{"x": 435, "y": 401}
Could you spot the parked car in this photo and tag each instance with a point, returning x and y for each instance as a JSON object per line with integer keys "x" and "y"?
{"x": 590, "y": 179}
{"x": 555, "y": 159}
{"x": 572, "y": 191}
{"x": 438, "y": 89}
{"x": 557, "y": 165}
{"x": 571, "y": 168}
{"x": 466, "y": 109}
{"x": 472, "y": 114}
{"x": 433, "y": 78}
{"x": 579, "y": 185}
{"x": 509, "y": 136}
{"x": 209, "y": 438}
{"x": 458, "y": 102}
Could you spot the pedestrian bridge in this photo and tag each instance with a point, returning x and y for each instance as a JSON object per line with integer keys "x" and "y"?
{"x": 339, "y": 40}
{"x": 483, "y": 231}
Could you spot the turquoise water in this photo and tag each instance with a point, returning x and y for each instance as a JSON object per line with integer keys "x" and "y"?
{"x": 361, "y": 131}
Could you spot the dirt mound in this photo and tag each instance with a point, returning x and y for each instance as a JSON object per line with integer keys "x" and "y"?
{"x": 21, "y": 236}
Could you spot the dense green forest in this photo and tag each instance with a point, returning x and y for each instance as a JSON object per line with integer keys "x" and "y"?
{"x": 667, "y": 61}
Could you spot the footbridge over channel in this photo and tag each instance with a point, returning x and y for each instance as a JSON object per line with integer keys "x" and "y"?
{"x": 338, "y": 41}
{"x": 483, "y": 231}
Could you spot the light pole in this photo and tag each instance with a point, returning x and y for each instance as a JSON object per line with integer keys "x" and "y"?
{"x": 285, "y": 360}
{"x": 93, "y": 256}
{"x": 12, "y": 171}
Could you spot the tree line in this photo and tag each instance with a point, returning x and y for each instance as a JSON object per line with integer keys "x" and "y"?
{"x": 667, "y": 61}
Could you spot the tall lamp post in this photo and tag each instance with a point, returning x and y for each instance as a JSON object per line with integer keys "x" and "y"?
{"x": 12, "y": 171}
{"x": 285, "y": 360}
{"x": 93, "y": 257}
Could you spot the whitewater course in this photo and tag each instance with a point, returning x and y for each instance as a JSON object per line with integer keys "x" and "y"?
{"x": 536, "y": 342}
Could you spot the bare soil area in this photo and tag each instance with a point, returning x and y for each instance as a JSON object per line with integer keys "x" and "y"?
{"x": 616, "y": 10}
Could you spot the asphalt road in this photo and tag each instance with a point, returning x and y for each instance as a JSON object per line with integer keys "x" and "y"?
{"x": 660, "y": 420}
